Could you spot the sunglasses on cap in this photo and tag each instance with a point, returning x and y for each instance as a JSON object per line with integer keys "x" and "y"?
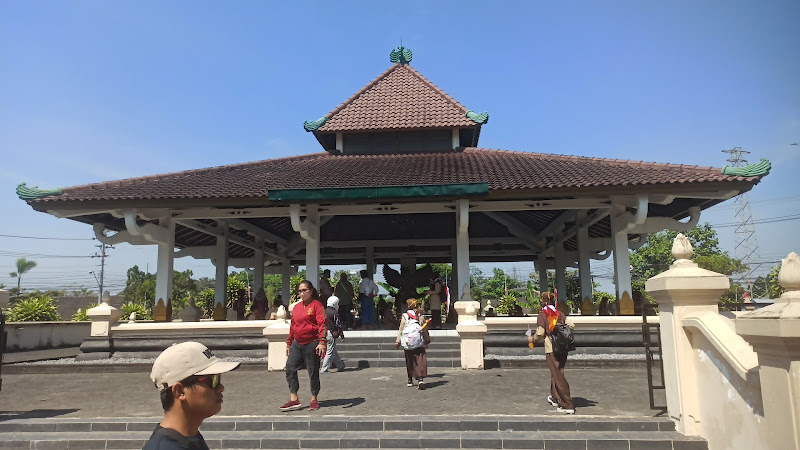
{"x": 213, "y": 380}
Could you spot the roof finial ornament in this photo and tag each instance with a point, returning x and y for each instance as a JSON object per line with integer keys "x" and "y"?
{"x": 402, "y": 55}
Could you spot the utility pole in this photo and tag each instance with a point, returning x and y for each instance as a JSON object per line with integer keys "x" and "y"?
{"x": 102, "y": 257}
{"x": 746, "y": 243}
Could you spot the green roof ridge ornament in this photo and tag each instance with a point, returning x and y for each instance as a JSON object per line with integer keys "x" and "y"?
{"x": 758, "y": 169}
{"x": 31, "y": 193}
{"x": 402, "y": 55}
{"x": 314, "y": 126}
{"x": 479, "y": 118}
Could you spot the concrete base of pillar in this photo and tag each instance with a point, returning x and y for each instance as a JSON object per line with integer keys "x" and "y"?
{"x": 277, "y": 335}
{"x": 472, "y": 334}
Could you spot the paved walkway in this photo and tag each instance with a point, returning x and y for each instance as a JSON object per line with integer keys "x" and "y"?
{"x": 362, "y": 392}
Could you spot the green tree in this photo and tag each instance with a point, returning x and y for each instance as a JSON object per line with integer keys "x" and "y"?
{"x": 23, "y": 266}
{"x": 140, "y": 287}
{"x": 655, "y": 256}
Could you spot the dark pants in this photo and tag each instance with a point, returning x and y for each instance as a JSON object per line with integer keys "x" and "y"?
{"x": 299, "y": 354}
{"x": 367, "y": 310}
{"x": 559, "y": 388}
{"x": 436, "y": 317}
{"x": 346, "y": 316}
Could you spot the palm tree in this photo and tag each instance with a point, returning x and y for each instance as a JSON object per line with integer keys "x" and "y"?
{"x": 23, "y": 265}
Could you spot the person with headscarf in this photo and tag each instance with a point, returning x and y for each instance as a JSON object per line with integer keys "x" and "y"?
{"x": 414, "y": 343}
{"x": 334, "y": 331}
{"x": 545, "y": 324}
{"x": 344, "y": 290}
{"x": 260, "y": 305}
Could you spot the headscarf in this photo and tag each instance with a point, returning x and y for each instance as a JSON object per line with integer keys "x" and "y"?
{"x": 549, "y": 316}
{"x": 333, "y": 301}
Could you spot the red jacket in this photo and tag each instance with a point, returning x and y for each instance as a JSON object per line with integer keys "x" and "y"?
{"x": 308, "y": 323}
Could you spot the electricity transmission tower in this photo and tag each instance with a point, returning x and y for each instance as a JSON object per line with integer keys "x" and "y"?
{"x": 746, "y": 243}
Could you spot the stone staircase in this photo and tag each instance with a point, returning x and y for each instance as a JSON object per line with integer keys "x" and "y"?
{"x": 365, "y": 349}
{"x": 287, "y": 431}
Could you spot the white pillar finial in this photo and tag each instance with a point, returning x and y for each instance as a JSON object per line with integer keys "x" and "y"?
{"x": 789, "y": 275}
{"x": 682, "y": 248}
{"x": 106, "y": 297}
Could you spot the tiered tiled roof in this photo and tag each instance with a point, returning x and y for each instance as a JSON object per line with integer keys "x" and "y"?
{"x": 399, "y": 98}
{"x": 502, "y": 170}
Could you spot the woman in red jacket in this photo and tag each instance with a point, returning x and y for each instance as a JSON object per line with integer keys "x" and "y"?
{"x": 306, "y": 343}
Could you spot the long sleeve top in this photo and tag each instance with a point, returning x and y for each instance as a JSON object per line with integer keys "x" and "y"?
{"x": 368, "y": 287}
{"x": 308, "y": 323}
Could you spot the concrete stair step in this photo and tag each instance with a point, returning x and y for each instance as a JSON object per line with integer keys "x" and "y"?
{"x": 287, "y": 431}
{"x": 368, "y": 439}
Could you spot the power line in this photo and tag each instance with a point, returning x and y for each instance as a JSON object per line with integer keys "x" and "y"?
{"x": 47, "y": 238}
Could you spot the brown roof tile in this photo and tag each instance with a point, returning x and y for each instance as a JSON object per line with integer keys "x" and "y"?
{"x": 399, "y": 98}
{"x": 502, "y": 170}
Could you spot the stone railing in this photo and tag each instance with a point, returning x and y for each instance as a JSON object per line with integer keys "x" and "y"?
{"x": 734, "y": 382}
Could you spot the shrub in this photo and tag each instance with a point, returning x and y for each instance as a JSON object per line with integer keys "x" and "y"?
{"x": 34, "y": 309}
{"x": 81, "y": 316}
{"x": 142, "y": 313}
{"x": 205, "y": 301}
{"x": 506, "y": 304}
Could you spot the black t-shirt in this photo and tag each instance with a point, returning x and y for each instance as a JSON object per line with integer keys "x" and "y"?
{"x": 169, "y": 439}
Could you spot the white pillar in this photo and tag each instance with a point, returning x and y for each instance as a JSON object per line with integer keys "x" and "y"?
{"x": 456, "y": 139}
{"x": 258, "y": 270}
{"x": 221, "y": 279}
{"x": 622, "y": 259}
{"x": 541, "y": 266}
{"x": 584, "y": 265}
{"x": 371, "y": 269}
{"x": 286, "y": 282}
{"x": 462, "y": 260}
{"x": 340, "y": 142}
{"x": 561, "y": 268}
{"x": 454, "y": 293}
{"x": 309, "y": 230}
{"x": 162, "y": 312}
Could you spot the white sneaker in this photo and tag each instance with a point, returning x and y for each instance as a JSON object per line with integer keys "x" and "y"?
{"x": 565, "y": 411}
{"x": 551, "y": 400}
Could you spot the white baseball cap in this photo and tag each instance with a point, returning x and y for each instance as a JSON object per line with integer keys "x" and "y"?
{"x": 183, "y": 360}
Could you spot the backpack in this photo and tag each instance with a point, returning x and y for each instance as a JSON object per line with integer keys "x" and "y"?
{"x": 412, "y": 334}
{"x": 562, "y": 339}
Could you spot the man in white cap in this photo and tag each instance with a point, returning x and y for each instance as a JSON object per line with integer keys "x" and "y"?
{"x": 188, "y": 376}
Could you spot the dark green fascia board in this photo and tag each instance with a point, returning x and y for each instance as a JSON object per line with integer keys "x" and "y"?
{"x": 758, "y": 169}
{"x": 32, "y": 193}
{"x": 314, "y": 126}
{"x": 479, "y": 118}
{"x": 351, "y": 193}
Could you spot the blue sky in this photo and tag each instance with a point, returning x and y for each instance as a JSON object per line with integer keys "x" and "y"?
{"x": 94, "y": 91}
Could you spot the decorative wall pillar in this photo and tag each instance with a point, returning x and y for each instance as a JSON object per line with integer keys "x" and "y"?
{"x": 685, "y": 289}
{"x": 276, "y": 335}
{"x": 221, "y": 284}
{"x": 162, "y": 310}
{"x": 462, "y": 261}
{"x": 774, "y": 333}
{"x": 471, "y": 331}
{"x": 99, "y": 344}
{"x": 622, "y": 259}
{"x": 585, "y": 268}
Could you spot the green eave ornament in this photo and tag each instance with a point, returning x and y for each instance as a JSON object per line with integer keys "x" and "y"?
{"x": 31, "y": 193}
{"x": 314, "y": 126}
{"x": 758, "y": 169}
{"x": 479, "y": 118}
{"x": 402, "y": 55}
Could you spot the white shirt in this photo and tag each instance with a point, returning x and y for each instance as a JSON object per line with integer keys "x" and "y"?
{"x": 368, "y": 287}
